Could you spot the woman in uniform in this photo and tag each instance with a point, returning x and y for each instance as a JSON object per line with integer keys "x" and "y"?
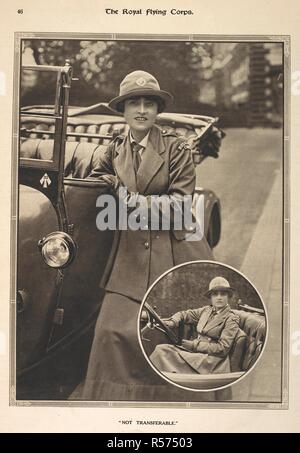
{"x": 217, "y": 326}
{"x": 146, "y": 162}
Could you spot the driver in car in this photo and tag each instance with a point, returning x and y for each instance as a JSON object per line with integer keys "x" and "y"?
{"x": 217, "y": 326}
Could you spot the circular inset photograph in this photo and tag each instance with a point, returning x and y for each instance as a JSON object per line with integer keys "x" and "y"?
{"x": 202, "y": 326}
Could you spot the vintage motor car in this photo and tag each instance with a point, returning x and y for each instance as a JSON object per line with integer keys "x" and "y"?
{"x": 244, "y": 353}
{"x": 61, "y": 254}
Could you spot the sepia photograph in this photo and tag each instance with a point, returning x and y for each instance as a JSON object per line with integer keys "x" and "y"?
{"x": 134, "y": 156}
{"x": 217, "y": 332}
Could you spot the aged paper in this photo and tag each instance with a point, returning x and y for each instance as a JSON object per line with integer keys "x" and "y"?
{"x": 207, "y": 20}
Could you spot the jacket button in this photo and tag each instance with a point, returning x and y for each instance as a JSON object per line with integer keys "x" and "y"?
{"x": 147, "y": 245}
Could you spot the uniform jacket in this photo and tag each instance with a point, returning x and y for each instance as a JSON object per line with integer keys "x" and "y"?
{"x": 215, "y": 338}
{"x": 141, "y": 256}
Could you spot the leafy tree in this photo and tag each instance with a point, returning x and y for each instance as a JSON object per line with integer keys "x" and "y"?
{"x": 101, "y": 65}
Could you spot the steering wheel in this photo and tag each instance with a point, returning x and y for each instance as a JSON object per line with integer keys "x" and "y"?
{"x": 159, "y": 323}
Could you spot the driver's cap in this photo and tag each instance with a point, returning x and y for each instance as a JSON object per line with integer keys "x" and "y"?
{"x": 219, "y": 284}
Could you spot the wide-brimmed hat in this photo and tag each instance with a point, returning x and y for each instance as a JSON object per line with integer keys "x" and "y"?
{"x": 140, "y": 83}
{"x": 219, "y": 284}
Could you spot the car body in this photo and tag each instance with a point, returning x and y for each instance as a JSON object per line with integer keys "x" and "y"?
{"x": 58, "y": 301}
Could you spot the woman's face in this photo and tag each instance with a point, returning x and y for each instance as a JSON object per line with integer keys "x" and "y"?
{"x": 219, "y": 299}
{"x": 140, "y": 113}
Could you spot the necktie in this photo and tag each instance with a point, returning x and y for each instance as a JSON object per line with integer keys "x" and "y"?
{"x": 213, "y": 314}
{"x": 136, "y": 147}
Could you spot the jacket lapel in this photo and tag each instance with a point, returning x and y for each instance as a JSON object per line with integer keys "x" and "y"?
{"x": 151, "y": 160}
{"x": 217, "y": 319}
{"x": 124, "y": 165}
{"x": 203, "y": 319}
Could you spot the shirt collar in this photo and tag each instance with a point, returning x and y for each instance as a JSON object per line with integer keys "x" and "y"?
{"x": 143, "y": 142}
{"x": 220, "y": 310}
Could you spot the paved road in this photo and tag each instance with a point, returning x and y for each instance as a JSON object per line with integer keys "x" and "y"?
{"x": 248, "y": 179}
{"x": 242, "y": 177}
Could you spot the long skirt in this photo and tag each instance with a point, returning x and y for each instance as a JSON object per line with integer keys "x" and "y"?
{"x": 170, "y": 358}
{"x": 118, "y": 369}
{"x": 167, "y": 358}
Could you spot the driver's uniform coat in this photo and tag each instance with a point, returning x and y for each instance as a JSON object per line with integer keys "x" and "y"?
{"x": 216, "y": 332}
{"x": 117, "y": 368}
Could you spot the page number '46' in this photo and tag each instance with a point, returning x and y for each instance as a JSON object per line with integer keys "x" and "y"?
{"x": 20, "y": 11}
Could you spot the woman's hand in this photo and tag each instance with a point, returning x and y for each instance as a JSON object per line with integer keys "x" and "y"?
{"x": 144, "y": 316}
{"x": 169, "y": 323}
{"x": 111, "y": 181}
{"x": 188, "y": 344}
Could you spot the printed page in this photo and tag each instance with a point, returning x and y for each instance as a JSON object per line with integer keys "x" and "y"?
{"x": 148, "y": 236}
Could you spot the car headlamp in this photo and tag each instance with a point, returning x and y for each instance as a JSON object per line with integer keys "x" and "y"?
{"x": 58, "y": 249}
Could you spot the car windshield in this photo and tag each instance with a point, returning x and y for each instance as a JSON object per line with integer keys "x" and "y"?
{"x": 42, "y": 127}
